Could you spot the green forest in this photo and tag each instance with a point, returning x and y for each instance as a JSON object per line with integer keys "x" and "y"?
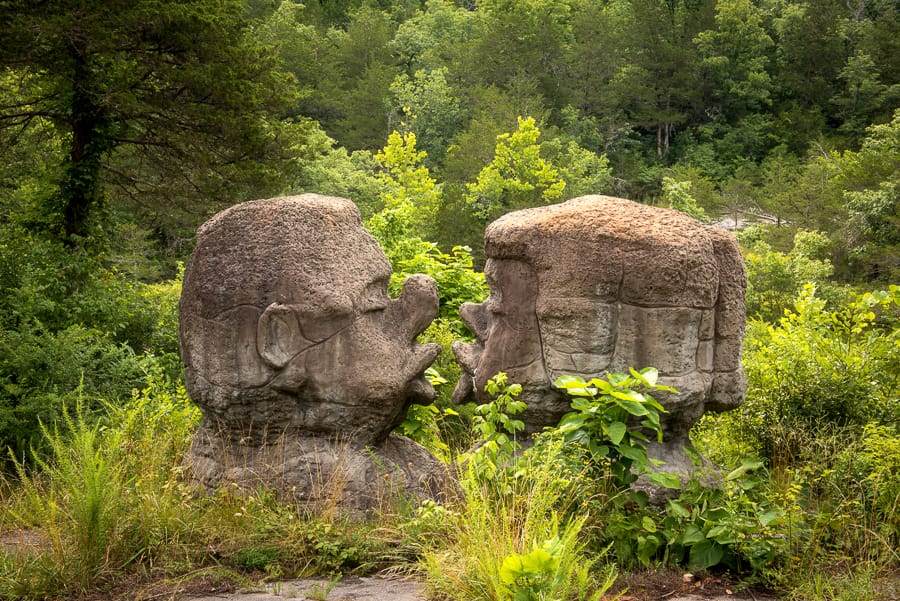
{"x": 124, "y": 125}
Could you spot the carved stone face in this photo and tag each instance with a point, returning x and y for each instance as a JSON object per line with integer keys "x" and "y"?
{"x": 598, "y": 285}
{"x": 286, "y": 324}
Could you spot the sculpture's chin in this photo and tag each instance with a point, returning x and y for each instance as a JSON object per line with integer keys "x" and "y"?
{"x": 468, "y": 356}
{"x": 418, "y": 389}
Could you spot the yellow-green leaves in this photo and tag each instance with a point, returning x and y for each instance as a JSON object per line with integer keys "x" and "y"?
{"x": 517, "y": 178}
{"x": 541, "y": 560}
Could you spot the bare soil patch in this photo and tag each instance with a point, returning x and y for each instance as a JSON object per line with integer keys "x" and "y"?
{"x": 669, "y": 585}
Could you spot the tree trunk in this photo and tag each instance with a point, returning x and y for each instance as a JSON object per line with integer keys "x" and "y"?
{"x": 81, "y": 190}
{"x": 659, "y": 151}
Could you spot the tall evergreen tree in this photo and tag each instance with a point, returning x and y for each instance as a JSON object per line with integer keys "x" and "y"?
{"x": 156, "y": 100}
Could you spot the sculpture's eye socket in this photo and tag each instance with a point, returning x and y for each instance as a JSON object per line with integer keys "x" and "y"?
{"x": 375, "y": 296}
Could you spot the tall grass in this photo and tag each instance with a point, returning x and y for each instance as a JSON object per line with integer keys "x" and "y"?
{"x": 516, "y": 516}
{"x": 110, "y": 501}
{"x": 76, "y": 498}
{"x": 105, "y": 496}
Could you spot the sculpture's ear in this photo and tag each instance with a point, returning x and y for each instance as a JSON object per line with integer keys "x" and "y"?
{"x": 278, "y": 335}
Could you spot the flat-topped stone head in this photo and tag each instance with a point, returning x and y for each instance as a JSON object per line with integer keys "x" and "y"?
{"x": 600, "y": 284}
{"x": 287, "y": 326}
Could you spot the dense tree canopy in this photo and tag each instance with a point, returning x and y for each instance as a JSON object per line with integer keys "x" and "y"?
{"x": 158, "y": 102}
{"x": 156, "y": 112}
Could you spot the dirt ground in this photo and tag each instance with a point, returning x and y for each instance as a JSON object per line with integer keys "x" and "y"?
{"x": 213, "y": 585}
{"x": 666, "y": 586}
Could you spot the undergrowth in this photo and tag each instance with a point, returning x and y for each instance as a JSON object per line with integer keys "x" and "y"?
{"x": 807, "y": 502}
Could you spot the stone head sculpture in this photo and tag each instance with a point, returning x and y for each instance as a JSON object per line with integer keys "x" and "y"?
{"x": 287, "y": 329}
{"x": 600, "y": 284}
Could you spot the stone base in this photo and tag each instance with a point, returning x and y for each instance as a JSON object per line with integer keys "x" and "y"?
{"x": 677, "y": 462}
{"x": 325, "y": 473}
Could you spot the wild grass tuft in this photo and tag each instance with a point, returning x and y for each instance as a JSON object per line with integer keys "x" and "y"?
{"x": 76, "y": 498}
{"x": 509, "y": 539}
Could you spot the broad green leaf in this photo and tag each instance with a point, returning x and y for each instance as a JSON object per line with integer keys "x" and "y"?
{"x": 768, "y": 517}
{"x": 678, "y": 509}
{"x": 580, "y": 392}
{"x": 604, "y": 386}
{"x": 572, "y": 421}
{"x": 577, "y": 435}
{"x": 717, "y": 531}
{"x": 628, "y": 395}
{"x": 749, "y": 482}
{"x": 569, "y": 381}
{"x": 648, "y": 524}
{"x": 666, "y": 479}
{"x": 746, "y": 466}
{"x": 653, "y": 419}
{"x": 692, "y": 535}
{"x": 649, "y": 400}
{"x": 636, "y": 454}
{"x": 632, "y": 407}
{"x": 511, "y": 569}
{"x": 597, "y": 450}
{"x": 538, "y": 561}
{"x": 616, "y": 432}
{"x": 646, "y": 548}
{"x": 638, "y": 435}
{"x": 583, "y": 404}
{"x": 617, "y": 379}
{"x": 706, "y": 554}
{"x": 648, "y": 376}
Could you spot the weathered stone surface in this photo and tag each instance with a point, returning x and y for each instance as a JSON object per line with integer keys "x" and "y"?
{"x": 324, "y": 473}
{"x": 291, "y": 342}
{"x": 600, "y": 284}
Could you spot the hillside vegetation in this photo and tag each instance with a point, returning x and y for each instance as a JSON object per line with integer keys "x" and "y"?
{"x": 126, "y": 124}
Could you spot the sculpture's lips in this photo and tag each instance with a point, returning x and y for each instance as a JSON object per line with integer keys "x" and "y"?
{"x": 416, "y": 307}
{"x": 423, "y": 356}
{"x": 418, "y": 388}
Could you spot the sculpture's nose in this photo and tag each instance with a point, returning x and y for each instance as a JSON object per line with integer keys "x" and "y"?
{"x": 410, "y": 314}
{"x": 416, "y": 307}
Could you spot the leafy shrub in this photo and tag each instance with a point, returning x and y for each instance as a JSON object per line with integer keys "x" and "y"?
{"x": 821, "y": 410}
{"x": 69, "y": 327}
{"x": 605, "y": 436}
{"x": 40, "y": 372}
{"x": 496, "y": 429}
{"x": 510, "y": 538}
{"x": 602, "y": 419}
{"x": 818, "y": 368}
{"x": 774, "y": 279}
